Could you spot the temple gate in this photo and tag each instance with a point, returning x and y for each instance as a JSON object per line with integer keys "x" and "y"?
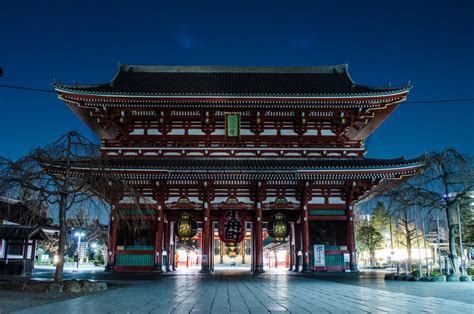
{"x": 231, "y": 147}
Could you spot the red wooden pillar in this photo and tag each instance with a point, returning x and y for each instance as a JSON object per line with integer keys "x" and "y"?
{"x": 275, "y": 253}
{"x": 114, "y": 223}
{"x": 206, "y": 236}
{"x": 292, "y": 247}
{"x": 25, "y": 257}
{"x": 297, "y": 241}
{"x": 305, "y": 235}
{"x": 159, "y": 238}
{"x": 351, "y": 243}
{"x": 252, "y": 248}
{"x": 258, "y": 267}
{"x": 168, "y": 245}
{"x": 33, "y": 254}
{"x": 211, "y": 249}
{"x": 173, "y": 248}
{"x": 222, "y": 251}
{"x": 199, "y": 236}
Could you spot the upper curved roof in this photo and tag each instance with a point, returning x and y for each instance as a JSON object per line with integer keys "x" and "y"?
{"x": 231, "y": 81}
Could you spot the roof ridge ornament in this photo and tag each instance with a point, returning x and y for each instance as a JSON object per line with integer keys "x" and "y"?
{"x": 339, "y": 68}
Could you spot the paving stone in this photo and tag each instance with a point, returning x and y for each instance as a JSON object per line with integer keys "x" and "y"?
{"x": 248, "y": 294}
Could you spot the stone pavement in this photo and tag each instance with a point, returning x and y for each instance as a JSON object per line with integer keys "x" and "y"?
{"x": 235, "y": 292}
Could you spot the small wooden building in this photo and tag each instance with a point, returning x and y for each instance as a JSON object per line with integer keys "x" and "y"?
{"x": 17, "y": 248}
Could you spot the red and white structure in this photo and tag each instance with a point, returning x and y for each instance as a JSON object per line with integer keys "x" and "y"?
{"x": 258, "y": 140}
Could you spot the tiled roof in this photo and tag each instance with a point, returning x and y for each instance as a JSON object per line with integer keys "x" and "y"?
{"x": 21, "y": 232}
{"x": 225, "y": 164}
{"x": 213, "y": 81}
{"x": 17, "y": 212}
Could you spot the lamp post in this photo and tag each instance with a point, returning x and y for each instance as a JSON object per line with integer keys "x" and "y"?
{"x": 79, "y": 235}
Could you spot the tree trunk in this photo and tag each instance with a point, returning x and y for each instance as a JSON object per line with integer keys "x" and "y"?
{"x": 372, "y": 258}
{"x": 58, "y": 275}
{"x": 406, "y": 226}
{"x": 452, "y": 238}
{"x": 408, "y": 245}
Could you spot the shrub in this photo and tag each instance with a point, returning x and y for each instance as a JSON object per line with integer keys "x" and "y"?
{"x": 416, "y": 273}
{"x": 435, "y": 273}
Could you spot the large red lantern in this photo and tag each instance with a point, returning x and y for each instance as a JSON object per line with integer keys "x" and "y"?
{"x": 231, "y": 227}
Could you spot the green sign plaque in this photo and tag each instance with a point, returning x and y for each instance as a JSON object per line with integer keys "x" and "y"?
{"x": 232, "y": 125}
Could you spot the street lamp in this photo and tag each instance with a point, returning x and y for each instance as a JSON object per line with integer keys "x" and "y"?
{"x": 79, "y": 235}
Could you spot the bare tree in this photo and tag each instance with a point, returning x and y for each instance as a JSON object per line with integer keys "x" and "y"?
{"x": 46, "y": 173}
{"x": 446, "y": 181}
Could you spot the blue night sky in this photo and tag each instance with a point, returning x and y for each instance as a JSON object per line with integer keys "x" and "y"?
{"x": 429, "y": 43}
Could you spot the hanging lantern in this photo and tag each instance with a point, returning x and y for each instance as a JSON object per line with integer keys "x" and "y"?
{"x": 278, "y": 227}
{"x": 185, "y": 227}
{"x": 231, "y": 227}
{"x": 232, "y": 249}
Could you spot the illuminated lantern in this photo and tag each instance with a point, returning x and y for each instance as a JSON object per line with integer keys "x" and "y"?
{"x": 231, "y": 228}
{"x": 231, "y": 249}
{"x": 185, "y": 227}
{"x": 278, "y": 227}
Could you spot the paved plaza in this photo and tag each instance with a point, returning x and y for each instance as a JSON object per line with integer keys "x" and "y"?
{"x": 239, "y": 292}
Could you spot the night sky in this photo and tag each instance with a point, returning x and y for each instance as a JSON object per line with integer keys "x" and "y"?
{"x": 428, "y": 43}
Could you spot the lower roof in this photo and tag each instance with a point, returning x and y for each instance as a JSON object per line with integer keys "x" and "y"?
{"x": 241, "y": 165}
{"x": 20, "y": 232}
{"x": 201, "y": 169}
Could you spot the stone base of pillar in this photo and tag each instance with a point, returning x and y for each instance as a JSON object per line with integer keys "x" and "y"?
{"x": 205, "y": 269}
{"x": 354, "y": 268}
{"x": 158, "y": 268}
{"x": 258, "y": 269}
{"x": 306, "y": 268}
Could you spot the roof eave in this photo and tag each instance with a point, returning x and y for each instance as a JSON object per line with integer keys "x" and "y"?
{"x": 74, "y": 91}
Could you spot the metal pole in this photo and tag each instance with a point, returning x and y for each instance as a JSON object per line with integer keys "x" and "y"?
{"x": 460, "y": 241}
{"x": 78, "y": 249}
